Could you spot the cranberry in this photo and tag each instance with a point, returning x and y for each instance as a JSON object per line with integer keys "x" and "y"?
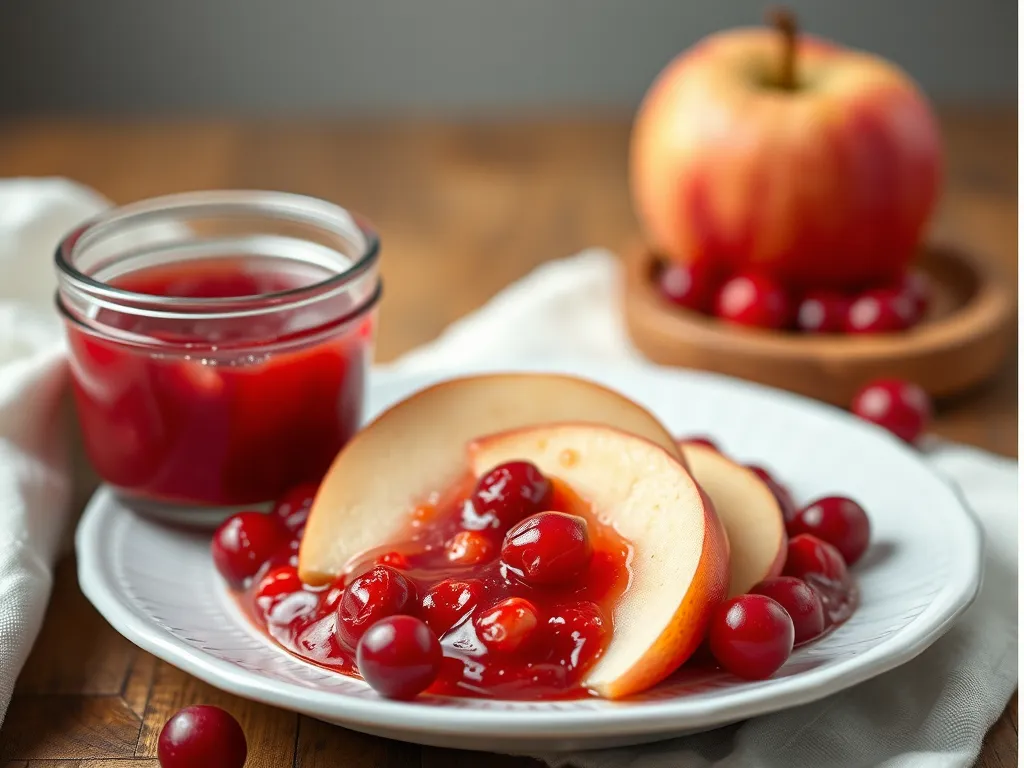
{"x": 381, "y": 591}
{"x": 691, "y": 286}
{"x": 293, "y": 507}
{"x": 781, "y": 493}
{"x": 823, "y": 568}
{"x": 837, "y": 520}
{"x": 394, "y": 559}
{"x": 243, "y": 543}
{"x": 751, "y": 636}
{"x": 754, "y": 300}
{"x": 201, "y": 737}
{"x": 330, "y": 598}
{"x": 801, "y": 602}
{"x": 899, "y": 406}
{"x": 879, "y": 311}
{"x": 510, "y": 492}
{"x": 507, "y": 626}
{"x": 707, "y": 442}
{"x": 470, "y": 548}
{"x": 399, "y": 657}
{"x": 917, "y": 288}
{"x": 822, "y": 312}
{"x": 549, "y": 548}
{"x": 579, "y": 632}
{"x": 448, "y": 601}
{"x": 282, "y": 580}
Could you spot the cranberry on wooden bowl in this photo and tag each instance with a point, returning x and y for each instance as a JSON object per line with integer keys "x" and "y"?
{"x": 202, "y": 736}
{"x": 753, "y": 300}
{"x": 690, "y": 286}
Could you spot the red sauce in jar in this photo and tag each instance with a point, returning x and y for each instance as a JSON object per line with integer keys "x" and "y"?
{"x": 219, "y": 411}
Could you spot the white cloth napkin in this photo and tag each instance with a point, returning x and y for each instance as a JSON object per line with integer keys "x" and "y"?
{"x": 35, "y": 481}
{"x": 930, "y": 713}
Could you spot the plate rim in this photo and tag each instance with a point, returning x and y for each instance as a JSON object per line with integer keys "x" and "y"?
{"x": 646, "y": 718}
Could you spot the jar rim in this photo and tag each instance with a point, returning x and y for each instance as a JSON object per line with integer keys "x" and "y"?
{"x": 285, "y": 206}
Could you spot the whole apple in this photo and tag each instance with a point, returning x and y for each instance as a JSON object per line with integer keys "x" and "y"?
{"x": 761, "y": 149}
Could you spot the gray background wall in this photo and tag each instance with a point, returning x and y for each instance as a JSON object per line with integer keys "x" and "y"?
{"x": 371, "y": 56}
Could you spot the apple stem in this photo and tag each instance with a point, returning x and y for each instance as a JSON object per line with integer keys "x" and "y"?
{"x": 784, "y": 20}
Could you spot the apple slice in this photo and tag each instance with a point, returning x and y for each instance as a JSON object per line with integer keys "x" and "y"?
{"x": 748, "y": 510}
{"x": 680, "y": 564}
{"x": 419, "y": 446}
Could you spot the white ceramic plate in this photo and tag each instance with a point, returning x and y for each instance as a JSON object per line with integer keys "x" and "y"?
{"x": 157, "y": 586}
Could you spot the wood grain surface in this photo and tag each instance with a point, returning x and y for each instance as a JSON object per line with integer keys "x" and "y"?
{"x": 463, "y": 209}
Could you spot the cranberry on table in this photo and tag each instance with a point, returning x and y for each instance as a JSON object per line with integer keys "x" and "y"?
{"x": 879, "y": 311}
{"x": 448, "y": 601}
{"x": 508, "y": 626}
{"x": 820, "y": 565}
{"x": 691, "y": 286}
{"x": 753, "y": 300}
{"x": 201, "y": 737}
{"x": 399, "y": 657}
{"x": 822, "y": 312}
{"x": 781, "y": 493}
{"x": 470, "y": 548}
{"x": 244, "y": 542}
{"x": 751, "y": 636}
{"x": 840, "y": 521}
{"x": 801, "y": 602}
{"x": 293, "y": 507}
{"x": 899, "y": 406}
{"x": 510, "y": 492}
{"x": 380, "y": 592}
{"x": 548, "y": 548}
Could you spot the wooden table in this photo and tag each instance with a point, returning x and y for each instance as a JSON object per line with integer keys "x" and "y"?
{"x": 463, "y": 209}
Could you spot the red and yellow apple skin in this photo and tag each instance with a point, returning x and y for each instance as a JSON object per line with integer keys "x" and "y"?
{"x": 826, "y": 186}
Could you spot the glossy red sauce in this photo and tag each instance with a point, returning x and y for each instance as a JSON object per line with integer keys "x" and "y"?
{"x": 552, "y": 665}
{"x": 227, "y": 420}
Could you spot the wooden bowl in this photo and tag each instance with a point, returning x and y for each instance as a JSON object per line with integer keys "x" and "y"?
{"x": 959, "y": 343}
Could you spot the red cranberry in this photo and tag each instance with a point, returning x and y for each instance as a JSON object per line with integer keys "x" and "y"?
{"x": 691, "y": 286}
{"x": 917, "y": 288}
{"x": 754, "y": 300}
{"x": 243, "y": 543}
{"x": 781, "y": 493}
{"x": 823, "y": 568}
{"x": 507, "y": 626}
{"x": 822, "y": 312}
{"x": 399, "y": 657}
{"x": 380, "y": 592}
{"x": 201, "y": 737}
{"x": 549, "y": 548}
{"x": 837, "y": 520}
{"x": 330, "y": 598}
{"x": 879, "y": 311}
{"x": 470, "y": 548}
{"x": 707, "y": 442}
{"x": 293, "y": 507}
{"x": 801, "y": 602}
{"x": 394, "y": 559}
{"x": 578, "y": 632}
{"x": 282, "y": 580}
{"x": 751, "y": 636}
{"x": 510, "y": 492}
{"x": 901, "y": 407}
{"x": 448, "y": 601}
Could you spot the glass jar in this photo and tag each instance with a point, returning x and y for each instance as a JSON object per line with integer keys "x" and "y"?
{"x": 219, "y": 342}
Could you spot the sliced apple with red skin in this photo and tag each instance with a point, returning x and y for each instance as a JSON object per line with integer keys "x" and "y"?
{"x": 680, "y": 564}
{"x": 418, "y": 447}
{"x": 747, "y": 508}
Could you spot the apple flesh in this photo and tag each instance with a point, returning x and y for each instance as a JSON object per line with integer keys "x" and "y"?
{"x": 827, "y": 184}
{"x": 747, "y": 508}
{"x": 680, "y": 565}
{"x": 419, "y": 446}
